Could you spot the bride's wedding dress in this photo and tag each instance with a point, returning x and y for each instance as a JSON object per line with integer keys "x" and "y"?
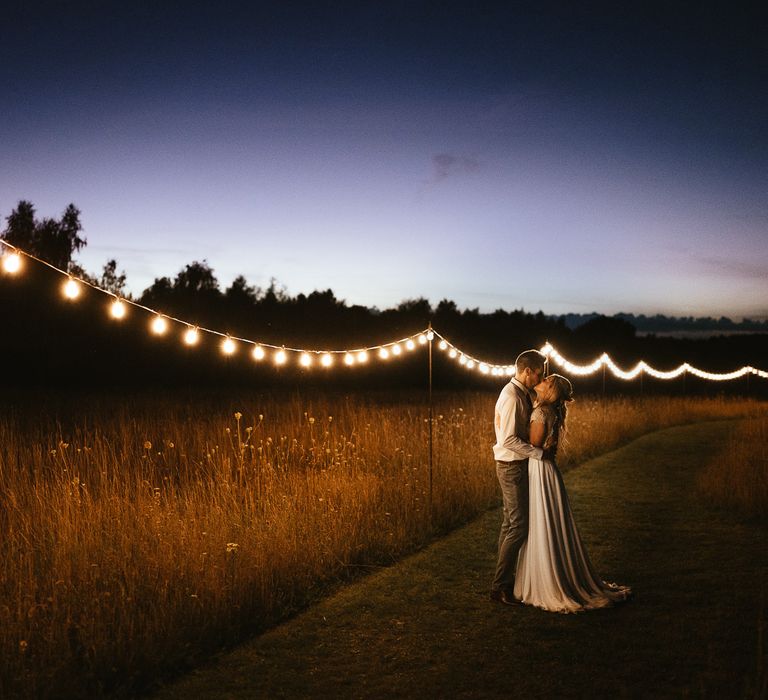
{"x": 553, "y": 570}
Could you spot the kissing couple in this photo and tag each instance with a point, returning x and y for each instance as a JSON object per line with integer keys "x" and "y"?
{"x": 542, "y": 560}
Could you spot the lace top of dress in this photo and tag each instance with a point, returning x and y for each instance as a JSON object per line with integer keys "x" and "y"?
{"x": 544, "y": 413}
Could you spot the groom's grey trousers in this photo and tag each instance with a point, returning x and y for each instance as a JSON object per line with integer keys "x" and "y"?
{"x": 513, "y": 479}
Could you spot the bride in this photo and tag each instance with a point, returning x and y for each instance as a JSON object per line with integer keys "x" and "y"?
{"x": 553, "y": 568}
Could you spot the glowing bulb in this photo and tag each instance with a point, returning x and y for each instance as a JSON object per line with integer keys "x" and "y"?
{"x": 349, "y": 359}
{"x": 280, "y": 357}
{"x": 362, "y": 357}
{"x": 547, "y": 350}
{"x": 422, "y": 339}
{"x": 228, "y": 346}
{"x": 191, "y": 336}
{"x": 12, "y": 263}
{"x": 510, "y": 371}
{"x": 483, "y": 368}
{"x": 258, "y": 353}
{"x": 305, "y": 360}
{"x": 410, "y": 345}
{"x": 452, "y": 354}
{"x": 326, "y": 360}
{"x": 462, "y": 360}
{"x": 470, "y": 364}
{"x": 159, "y": 325}
{"x": 430, "y": 335}
{"x": 117, "y": 309}
{"x": 71, "y": 289}
{"x": 443, "y": 345}
{"x": 396, "y": 349}
{"x": 383, "y": 353}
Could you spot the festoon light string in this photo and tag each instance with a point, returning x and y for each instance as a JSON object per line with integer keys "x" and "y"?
{"x": 13, "y": 262}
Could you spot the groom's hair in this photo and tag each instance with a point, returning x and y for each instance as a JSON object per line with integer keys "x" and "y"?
{"x": 531, "y": 359}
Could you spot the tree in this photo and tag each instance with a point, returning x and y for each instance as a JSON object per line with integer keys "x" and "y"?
{"x": 52, "y": 240}
{"x": 197, "y": 277}
{"x": 110, "y": 280}
{"x": 240, "y": 292}
{"x": 20, "y": 229}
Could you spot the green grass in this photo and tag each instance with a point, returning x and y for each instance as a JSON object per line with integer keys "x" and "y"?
{"x": 424, "y": 627}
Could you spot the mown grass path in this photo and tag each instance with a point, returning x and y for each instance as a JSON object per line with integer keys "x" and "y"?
{"x": 425, "y": 628}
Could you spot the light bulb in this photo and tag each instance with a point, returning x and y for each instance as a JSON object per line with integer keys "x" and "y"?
{"x": 258, "y": 353}
{"x": 443, "y": 345}
{"x": 228, "y": 346}
{"x": 383, "y": 353}
{"x": 280, "y": 357}
{"x": 159, "y": 325}
{"x": 305, "y": 360}
{"x": 71, "y": 289}
{"x": 410, "y": 345}
{"x": 471, "y": 364}
{"x": 349, "y": 359}
{"x": 452, "y": 354}
{"x": 422, "y": 339}
{"x": 326, "y": 360}
{"x": 430, "y": 335}
{"x": 118, "y": 309}
{"x": 191, "y": 336}
{"x": 362, "y": 357}
{"x": 12, "y": 263}
{"x": 462, "y": 360}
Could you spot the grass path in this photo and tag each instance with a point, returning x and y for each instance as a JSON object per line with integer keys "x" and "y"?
{"x": 424, "y": 627}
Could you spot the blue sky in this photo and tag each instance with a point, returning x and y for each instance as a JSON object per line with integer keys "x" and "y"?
{"x": 558, "y": 159}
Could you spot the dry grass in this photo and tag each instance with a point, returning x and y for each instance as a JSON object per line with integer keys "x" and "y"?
{"x": 150, "y": 533}
{"x": 737, "y": 476}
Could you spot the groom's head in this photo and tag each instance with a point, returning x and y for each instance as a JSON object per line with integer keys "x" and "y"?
{"x": 529, "y": 368}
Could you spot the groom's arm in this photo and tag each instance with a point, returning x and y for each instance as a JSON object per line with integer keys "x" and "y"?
{"x": 512, "y": 414}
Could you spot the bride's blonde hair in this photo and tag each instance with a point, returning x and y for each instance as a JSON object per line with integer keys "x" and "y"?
{"x": 564, "y": 396}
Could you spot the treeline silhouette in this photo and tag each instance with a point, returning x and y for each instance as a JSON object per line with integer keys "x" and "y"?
{"x": 49, "y": 342}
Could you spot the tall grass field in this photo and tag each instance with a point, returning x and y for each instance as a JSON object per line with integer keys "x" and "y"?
{"x": 737, "y": 476}
{"x": 140, "y": 535}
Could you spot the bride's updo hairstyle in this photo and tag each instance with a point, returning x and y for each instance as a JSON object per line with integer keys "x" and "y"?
{"x": 564, "y": 396}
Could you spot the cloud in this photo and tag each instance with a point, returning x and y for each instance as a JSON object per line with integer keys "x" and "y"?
{"x": 445, "y": 165}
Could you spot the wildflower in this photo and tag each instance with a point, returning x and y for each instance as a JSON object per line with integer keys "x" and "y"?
{"x": 228, "y": 431}
{"x": 249, "y": 429}
{"x": 238, "y": 415}
{"x": 330, "y": 418}
{"x": 23, "y": 645}
{"x": 311, "y": 421}
{"x": 232, "y": 547}
{"x": 171, "y": 445}
{"x": 261, "y": 417}
{"x": 147, "y": 445}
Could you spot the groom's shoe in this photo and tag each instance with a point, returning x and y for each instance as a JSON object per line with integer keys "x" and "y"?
{"x": 505, "y": 597}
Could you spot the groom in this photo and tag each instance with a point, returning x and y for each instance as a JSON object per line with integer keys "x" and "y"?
{"x": 512, "y": 450}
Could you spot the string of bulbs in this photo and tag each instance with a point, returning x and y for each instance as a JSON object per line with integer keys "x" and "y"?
{"x": 13, "y": 263}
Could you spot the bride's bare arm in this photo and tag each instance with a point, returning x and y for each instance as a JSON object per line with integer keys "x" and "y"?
{"x": 538, "y": 433}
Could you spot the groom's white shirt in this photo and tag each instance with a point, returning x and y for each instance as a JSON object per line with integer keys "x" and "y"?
{"x": 512, "y": 422}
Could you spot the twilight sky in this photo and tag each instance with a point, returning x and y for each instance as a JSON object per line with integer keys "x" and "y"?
{"x": 608, "y": 158}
